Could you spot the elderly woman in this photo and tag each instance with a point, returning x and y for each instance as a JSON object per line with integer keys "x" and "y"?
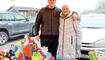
{"x": 69, "y": 35}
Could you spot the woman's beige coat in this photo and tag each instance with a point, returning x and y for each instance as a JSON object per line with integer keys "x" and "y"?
{"x": 69, "y": 38}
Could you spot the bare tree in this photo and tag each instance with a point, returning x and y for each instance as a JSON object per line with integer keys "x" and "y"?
{"x": 43, "y": 3}
{"x": 100, "y": 4}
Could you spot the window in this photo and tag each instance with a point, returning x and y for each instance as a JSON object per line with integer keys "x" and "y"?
{"x": 20, "y": 18}
{"x": 7, "y": 17}
{"x": 93, "y": 21}
{"x": 0, "y": 18}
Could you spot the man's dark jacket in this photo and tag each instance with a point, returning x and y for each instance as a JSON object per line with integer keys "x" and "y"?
{"x": 48, "y": 20}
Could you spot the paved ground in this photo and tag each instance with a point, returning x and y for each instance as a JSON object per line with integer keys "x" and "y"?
{"x": 11, "y": 41}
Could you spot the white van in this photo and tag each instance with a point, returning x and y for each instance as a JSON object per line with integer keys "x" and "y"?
{"x": 93, "y": 33}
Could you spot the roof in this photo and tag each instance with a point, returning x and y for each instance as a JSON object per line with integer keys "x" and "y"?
{"x": 21, "y": 8}
{"x": 3, "y": 12}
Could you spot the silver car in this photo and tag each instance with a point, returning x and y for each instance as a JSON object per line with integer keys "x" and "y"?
{"x": 14, "y": 25}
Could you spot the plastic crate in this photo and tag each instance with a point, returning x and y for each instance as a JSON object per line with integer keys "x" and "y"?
{"x": 100, "y": 53}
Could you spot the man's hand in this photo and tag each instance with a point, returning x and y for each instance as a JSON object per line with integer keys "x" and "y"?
{"x": 74, "y": 16}
{"x": 37, "y": 37}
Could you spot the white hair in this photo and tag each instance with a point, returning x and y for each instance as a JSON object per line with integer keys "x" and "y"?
{"x": 66, "y": 5}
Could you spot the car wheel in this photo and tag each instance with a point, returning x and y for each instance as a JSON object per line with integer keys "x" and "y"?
{"x": 3, "y": 38}
{"x": 33, "y": 31}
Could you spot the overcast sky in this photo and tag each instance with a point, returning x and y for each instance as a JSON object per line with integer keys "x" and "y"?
{"x": 75, "y": 5}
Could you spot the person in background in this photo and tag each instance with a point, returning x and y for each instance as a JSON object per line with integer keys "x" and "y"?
{"x": 69, "y": 35}
{"x": 48, "y": 20}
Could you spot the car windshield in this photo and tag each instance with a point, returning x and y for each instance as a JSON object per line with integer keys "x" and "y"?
{"x": 94, "y": 21}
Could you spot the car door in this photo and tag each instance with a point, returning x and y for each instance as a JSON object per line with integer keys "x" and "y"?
{"x": 8, "y": 20}
{"x": 23, "y": 23}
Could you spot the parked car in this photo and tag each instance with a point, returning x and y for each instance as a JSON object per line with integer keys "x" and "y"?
{"x": 14, "y": 25}
{"x": 93, "y": 33}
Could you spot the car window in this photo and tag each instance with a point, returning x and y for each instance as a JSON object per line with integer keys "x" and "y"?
{"x": 0, "y": 18}
{"x": 20, "y": 18}
{"x": 7, "y": 17}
